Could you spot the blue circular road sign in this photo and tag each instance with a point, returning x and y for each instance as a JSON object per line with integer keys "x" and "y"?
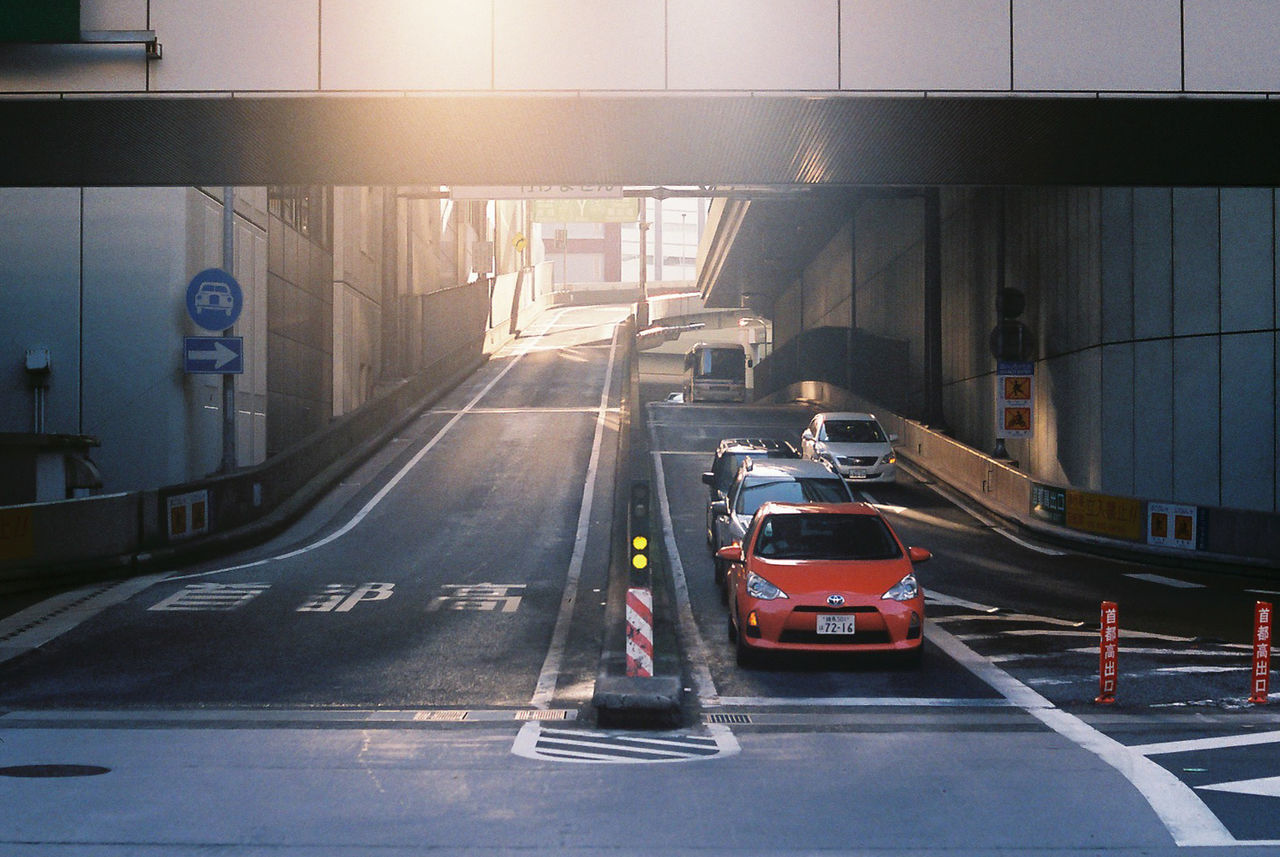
{"x": 214, "y": 299}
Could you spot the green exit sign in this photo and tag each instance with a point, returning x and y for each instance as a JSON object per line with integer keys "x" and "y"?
{"x": 33, "y": 21}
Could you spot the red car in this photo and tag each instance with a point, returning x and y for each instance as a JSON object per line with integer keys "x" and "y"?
{"x": 817, "y": 578}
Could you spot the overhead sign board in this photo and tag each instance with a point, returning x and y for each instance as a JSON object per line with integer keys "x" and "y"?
{"x": 585, "y": 210}
{"x": 213, "y": 355}
{"x": 214, "y": 299}
{"x": 560, "y": 191}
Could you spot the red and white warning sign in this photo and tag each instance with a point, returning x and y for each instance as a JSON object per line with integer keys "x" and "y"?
{"x": 1261, "y": 652}
{"x": 1108, "y": 653}
{"x": 640, "y": 632}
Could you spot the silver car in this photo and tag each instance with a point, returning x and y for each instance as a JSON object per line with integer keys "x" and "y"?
{"x": 780, "y": 480}
{"x": 853, "y": 444}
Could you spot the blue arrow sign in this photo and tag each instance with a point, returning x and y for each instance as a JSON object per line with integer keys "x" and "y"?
{"x": 213, "y": 355}
{"x": 214, "y": 299}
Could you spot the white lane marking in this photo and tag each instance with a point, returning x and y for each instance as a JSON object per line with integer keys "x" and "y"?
{"x": 547, "y": 743}
{"x": 1028, "y": 545}
{"x": 1261, "y": 787}
{"x": 1186, "y": 653}
{"x": 386, "y": 489}
{"x": 545, "y": 689}
{"x": 932, "y": 596}
{"x": 690, "y": 636}
{"x": 1219, "y": 743}
{"x": 1182, "y": 812}
{"x": 1166, "y": 581}
{"x": 863, "y": 702}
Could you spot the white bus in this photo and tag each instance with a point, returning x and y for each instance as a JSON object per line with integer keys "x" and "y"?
{"x": 715, "y": 373}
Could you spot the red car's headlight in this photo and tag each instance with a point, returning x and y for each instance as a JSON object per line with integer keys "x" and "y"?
{"x": 758, "y": 587}
{"x": 904, "y": 590}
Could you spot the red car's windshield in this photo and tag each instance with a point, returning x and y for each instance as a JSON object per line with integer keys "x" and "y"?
{"x": 823, "y": 536}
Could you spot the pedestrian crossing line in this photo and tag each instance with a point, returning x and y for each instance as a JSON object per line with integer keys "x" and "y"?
{"x": 536, "y": 741}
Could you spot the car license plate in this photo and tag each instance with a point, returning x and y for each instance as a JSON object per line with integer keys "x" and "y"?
{"x": 828, "y": 624}
{"x": 857, "y": 473}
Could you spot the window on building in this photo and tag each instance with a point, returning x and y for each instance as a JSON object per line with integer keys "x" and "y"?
{"x": 306, "y": 208}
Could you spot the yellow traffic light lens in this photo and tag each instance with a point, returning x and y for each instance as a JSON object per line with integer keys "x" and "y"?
{"x": 640, "y": 560}
{"x": 639, "y": 543}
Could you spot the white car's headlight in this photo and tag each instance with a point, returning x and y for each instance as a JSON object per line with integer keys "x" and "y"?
{"x": 889, "y": 458}
{"x": 904, "y": 590}
{"x": 758, "y": 587}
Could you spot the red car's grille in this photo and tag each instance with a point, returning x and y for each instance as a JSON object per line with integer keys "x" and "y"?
{"x": 813, "y": 638}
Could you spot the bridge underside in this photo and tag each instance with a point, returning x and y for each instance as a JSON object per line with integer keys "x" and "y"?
{"x": 707, "y": 140}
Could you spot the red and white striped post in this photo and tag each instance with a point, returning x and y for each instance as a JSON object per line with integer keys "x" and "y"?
{"x": 640, "y": 632}
{"x": 1261, "y": 653}
{"x": 1108, "y": 653}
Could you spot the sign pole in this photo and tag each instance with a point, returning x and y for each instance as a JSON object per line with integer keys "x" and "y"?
{"x": 1261, "y": 653}
{"x": 1108, "y": 652}
{"x": 228, "y": 381}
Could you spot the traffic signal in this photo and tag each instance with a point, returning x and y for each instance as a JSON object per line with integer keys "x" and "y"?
{"x": 638, "y": 535}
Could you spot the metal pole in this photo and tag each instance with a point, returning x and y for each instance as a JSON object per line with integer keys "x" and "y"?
{"x": 228, "y": 381}
{"x": 933, "y": 405}
{"x": 642, "y": 306}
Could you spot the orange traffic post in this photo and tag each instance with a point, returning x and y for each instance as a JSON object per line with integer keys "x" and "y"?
{"x": 1108, "y": 653}
{"x": 1261, "y": 652}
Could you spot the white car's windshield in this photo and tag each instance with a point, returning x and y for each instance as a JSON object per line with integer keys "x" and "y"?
{"x": 751, "y": 496}
{"x": 854, "y": 431}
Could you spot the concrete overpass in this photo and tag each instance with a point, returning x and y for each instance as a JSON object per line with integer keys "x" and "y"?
{"x": 696, "y": 92}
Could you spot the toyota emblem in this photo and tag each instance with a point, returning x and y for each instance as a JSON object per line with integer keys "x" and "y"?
{"x": 835, "y": 600}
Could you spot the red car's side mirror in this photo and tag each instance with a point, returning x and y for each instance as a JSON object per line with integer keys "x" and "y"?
{"x": 730, "y": 553}
{"x": 919, "y": 554}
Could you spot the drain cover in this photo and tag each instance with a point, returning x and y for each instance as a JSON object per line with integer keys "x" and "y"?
{"x": 53, "y": 771}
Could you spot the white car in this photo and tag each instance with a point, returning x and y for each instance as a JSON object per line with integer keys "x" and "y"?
{"x": 852, "y": 444}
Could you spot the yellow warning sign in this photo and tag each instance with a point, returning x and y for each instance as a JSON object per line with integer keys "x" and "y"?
{"x": 17, "y": 535}
{"x": 1119, "y": 517}
{"x": 1172, "y": 525}
{"x": 1017, "y": 388}
{"x": 1017, "y": 419}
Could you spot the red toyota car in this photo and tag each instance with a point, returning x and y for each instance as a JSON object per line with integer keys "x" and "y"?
{"x": 823, "y": 578}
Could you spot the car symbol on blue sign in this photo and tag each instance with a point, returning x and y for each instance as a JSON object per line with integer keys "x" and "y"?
{"x": 214, "y": 299}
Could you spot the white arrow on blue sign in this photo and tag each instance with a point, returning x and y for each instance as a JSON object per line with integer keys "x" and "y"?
{"x": 214, "y": 299}
{"x": 213, "y": 355}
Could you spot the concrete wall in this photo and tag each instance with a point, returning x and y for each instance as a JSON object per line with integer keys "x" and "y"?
{"x": 1151, "y": 309}
{"x": 357, "y": 300}
{"x": 1025, "y": 46}
{"x": 100, "y": 277}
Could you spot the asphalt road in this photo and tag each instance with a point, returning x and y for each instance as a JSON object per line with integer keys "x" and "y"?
{"x": 409, "y": 669}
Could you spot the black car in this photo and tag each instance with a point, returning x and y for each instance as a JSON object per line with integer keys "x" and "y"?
{"x": 730, "y": 454}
